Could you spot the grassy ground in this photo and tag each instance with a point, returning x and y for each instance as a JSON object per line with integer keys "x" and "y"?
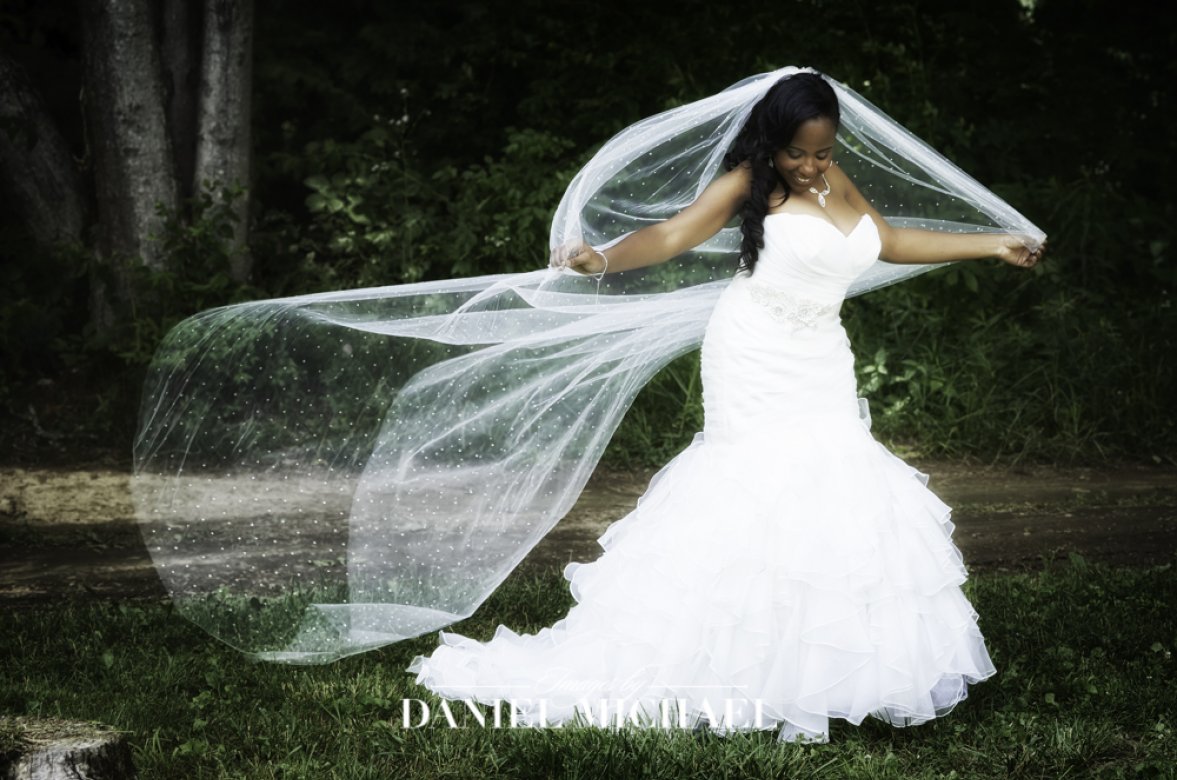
{"x": 1085, "y": 688}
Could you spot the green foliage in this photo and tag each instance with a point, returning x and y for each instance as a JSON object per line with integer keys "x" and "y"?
{"x": 500, "y": 211}
{"x": 369, "y": 207}
{"x": 1084, "y": 688}
{"x": 394, "y": 146}
{"x": 39, "y": 317}
{"x": 378, "y": 218}
{"x": 197, "y": 247}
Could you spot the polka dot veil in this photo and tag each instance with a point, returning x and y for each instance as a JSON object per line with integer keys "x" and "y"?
{"x": 321, "y": 475}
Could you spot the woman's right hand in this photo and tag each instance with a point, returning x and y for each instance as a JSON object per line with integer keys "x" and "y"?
{"x": 581, "y": 258}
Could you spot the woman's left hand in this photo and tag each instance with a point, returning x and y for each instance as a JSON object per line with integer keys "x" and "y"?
{"x": 1012, "y": 249}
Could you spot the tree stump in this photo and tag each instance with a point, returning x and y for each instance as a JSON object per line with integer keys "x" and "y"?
{"x": 53, "y": 749}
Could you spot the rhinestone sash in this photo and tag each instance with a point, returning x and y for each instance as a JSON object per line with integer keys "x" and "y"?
{"x": 786, "y": 307}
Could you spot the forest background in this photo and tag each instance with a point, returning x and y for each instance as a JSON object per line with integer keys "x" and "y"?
{"x": 362, "y": 143}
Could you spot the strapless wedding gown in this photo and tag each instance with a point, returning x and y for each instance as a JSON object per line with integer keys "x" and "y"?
{"x": 784, "y": 569}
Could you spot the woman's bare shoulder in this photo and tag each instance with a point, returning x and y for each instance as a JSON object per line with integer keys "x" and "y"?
{"x": 742, "y": 171}
{"x": 737, "y": 182}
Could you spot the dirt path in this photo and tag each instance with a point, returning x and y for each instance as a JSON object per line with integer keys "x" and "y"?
{"x": 66, "y": 533}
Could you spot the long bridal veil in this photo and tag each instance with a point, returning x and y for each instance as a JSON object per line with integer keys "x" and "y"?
{"x": 321, "y": 475}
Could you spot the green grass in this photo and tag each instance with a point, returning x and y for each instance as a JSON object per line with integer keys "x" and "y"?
{"x": 1085, "y": 688}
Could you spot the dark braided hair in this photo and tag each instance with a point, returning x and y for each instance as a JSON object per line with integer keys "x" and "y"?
{"x": 790, "y": 103}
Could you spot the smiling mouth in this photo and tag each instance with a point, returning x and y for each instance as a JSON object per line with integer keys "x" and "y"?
{"x": 801, "y": 180}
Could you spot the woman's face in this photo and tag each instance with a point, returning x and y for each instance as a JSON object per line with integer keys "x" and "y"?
{"x": 808, "y": 155}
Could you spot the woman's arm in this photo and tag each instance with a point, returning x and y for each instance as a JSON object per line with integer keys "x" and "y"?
{"x": 659, "y": 242}
{"x": 908, "y": 245}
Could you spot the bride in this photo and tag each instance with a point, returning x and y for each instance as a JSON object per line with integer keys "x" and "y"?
{"x": 785, "y": 568}
{"x": 321, "y": 475}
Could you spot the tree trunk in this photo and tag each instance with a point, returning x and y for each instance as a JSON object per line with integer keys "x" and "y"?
{"x": 166, "y": 103}
{"x": 223, "y": 126}
{"x": 181, "y": 28}
{"x": 53, "y": 749}
{"x": 133, "y": 166}
{"x": 38, "y": 176}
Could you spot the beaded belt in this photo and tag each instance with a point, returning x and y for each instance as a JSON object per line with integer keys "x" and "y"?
{"x": 786, "y": 307}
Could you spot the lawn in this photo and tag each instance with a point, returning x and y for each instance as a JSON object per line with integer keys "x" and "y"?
{"x": 1085, "y": 688}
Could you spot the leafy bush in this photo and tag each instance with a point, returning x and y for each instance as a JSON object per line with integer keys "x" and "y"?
{"x": 403, "y": 147}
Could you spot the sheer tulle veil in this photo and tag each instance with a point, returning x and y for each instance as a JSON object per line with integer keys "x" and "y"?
{"x": 321, "y": 475}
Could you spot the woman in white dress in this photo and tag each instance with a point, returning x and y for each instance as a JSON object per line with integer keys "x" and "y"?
{"x": 785, "y": 568}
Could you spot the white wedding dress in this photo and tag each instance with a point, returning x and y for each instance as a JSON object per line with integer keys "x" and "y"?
{"x": 784, "y": 569}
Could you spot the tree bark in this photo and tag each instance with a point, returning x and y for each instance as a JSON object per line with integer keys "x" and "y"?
{"x": 223, "y": 125}
{"x": 132, "y": 153}
{"x": 38, "y": 176}
{"x": 166, "y": 102}
{"x": 134, "y": 174}
{"x": 181, "y": 26}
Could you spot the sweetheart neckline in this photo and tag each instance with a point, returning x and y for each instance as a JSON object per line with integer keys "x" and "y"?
{"x": 853, "y": 230}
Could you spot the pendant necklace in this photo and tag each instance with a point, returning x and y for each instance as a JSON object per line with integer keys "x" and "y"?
{"x": 821, "y": 196}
